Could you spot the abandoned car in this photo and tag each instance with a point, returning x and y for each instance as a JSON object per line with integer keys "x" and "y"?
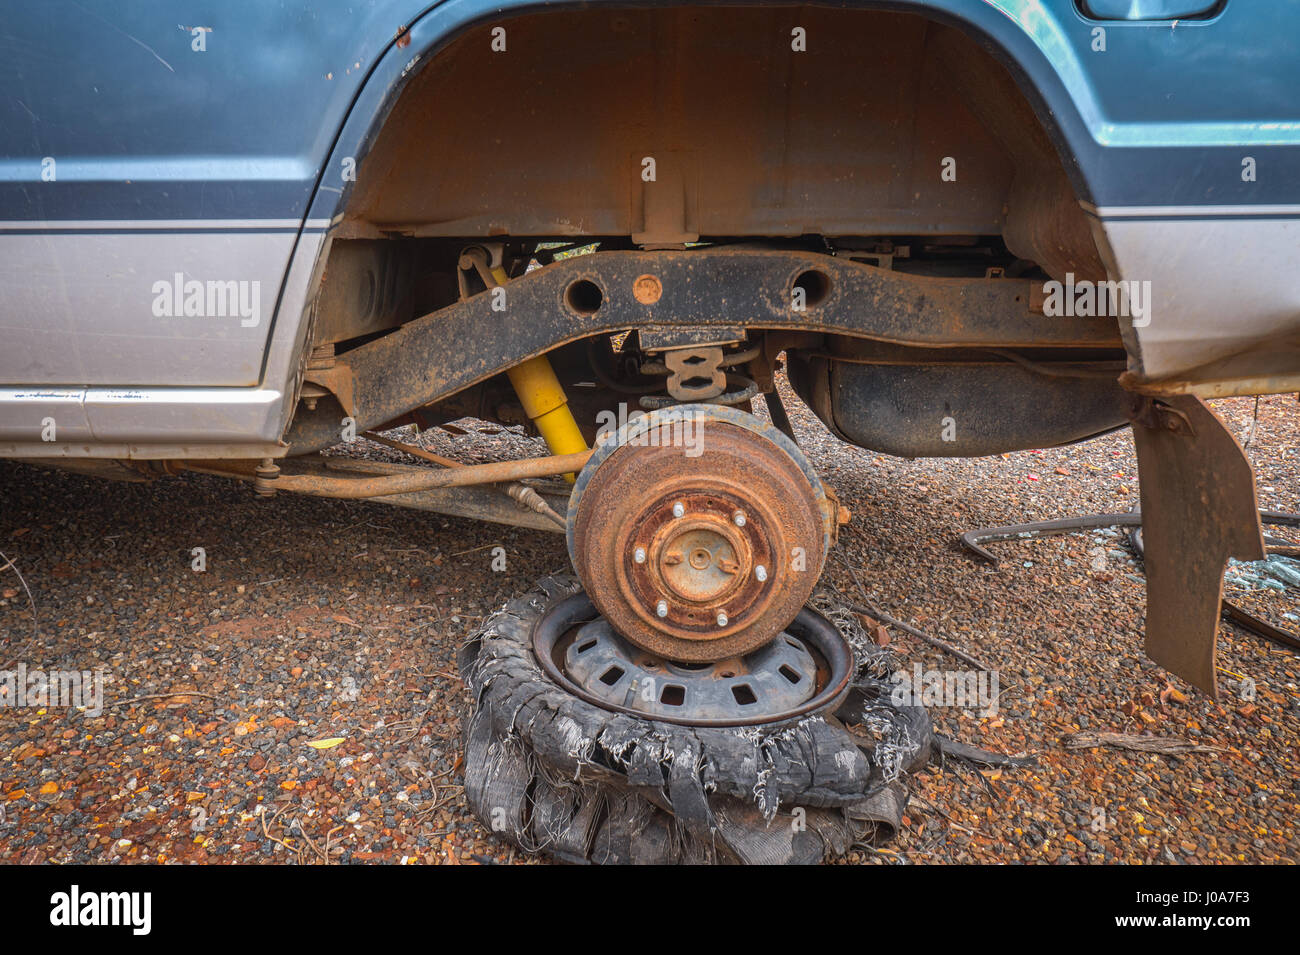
{"x": 960, "y": 227}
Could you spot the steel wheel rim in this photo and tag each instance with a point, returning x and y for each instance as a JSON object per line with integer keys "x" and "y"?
{"x": 816, "y": 631}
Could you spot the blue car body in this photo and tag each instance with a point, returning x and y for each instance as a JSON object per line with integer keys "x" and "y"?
{"x": 153, "y": 138}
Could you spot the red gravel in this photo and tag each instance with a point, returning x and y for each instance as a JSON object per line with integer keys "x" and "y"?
{"x": 318, "y": 620}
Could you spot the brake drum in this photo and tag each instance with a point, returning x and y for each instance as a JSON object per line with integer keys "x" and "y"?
{"x": 699, "y": 532}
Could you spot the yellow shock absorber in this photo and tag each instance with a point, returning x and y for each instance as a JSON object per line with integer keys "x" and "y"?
{"x": 544, "y": 402}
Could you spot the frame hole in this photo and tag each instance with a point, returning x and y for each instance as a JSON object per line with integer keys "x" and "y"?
{"x": 584, "y": 297}
{"x": 816, "y": 285}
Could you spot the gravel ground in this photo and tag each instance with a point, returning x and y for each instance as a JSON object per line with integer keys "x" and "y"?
{"x": 336, "y": 624}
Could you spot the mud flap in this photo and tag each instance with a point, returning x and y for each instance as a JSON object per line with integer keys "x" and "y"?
{"x": 1198, "y": 509}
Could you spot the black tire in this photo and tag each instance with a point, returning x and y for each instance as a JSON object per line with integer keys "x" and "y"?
{"x": 553, "y": 773}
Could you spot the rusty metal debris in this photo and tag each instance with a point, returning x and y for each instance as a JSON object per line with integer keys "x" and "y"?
{"x": 871, "y": 611}
{"x": 1259, "y": 627}
{"x": 972, "y": 541}
{"x": 882, "y": 617}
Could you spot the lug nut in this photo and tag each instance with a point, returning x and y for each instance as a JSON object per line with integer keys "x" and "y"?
{"x": 739, "y": 518}
{"x": 639, "y": 556}
{"x": 679, "y": 509}
{"x": 722, "y": 619}
{"x": 662, "y": 609}
{"x": 761, "y": 573}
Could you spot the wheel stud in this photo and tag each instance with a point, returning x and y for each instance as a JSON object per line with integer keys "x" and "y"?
{"x": 761, "y": 573}
{"x": 639, "y": 556}
{"x": 662, "y": 609}
{"x": 722, "y": 619}
{"x": 678, "y": 509}
{"x": 739, "y": 518}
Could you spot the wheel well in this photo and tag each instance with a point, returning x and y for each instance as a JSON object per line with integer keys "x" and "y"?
{"x": 886, "y": 124}
{"x": 885, "y": 138}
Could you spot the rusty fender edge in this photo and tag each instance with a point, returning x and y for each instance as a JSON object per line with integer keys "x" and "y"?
{"x": 435, "y": 356}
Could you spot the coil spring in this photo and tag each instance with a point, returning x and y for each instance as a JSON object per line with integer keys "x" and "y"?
{"x": 739, "y": 390}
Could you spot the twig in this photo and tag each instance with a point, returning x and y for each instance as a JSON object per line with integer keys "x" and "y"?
{"x": 308, "y": 840}
{"x": 279, "y": 842}
{"x": 36, "y": 625}
{"x": 472, "y": 550}
{"x": 327, "y": 842}
{"x": 935, "y": 642}
{"x": 161, "y": 696}
{"x": 1138, "y": 744}
{"x": 870, "y": 610}
{"x": 448, "y": 676}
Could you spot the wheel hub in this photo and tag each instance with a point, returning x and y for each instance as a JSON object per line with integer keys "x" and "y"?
{"x": 691, "y": 552}
{"x": 699, "y": 560}
{"x": 698, "y": 557}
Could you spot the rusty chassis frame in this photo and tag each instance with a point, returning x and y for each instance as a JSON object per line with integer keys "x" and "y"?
{"x": 435, "y": 356}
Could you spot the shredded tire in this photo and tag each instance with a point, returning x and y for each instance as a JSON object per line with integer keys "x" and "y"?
{"x": 555, "y": 774}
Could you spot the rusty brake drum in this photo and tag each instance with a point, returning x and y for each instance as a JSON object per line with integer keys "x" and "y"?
{"x": 699, "y": 531}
